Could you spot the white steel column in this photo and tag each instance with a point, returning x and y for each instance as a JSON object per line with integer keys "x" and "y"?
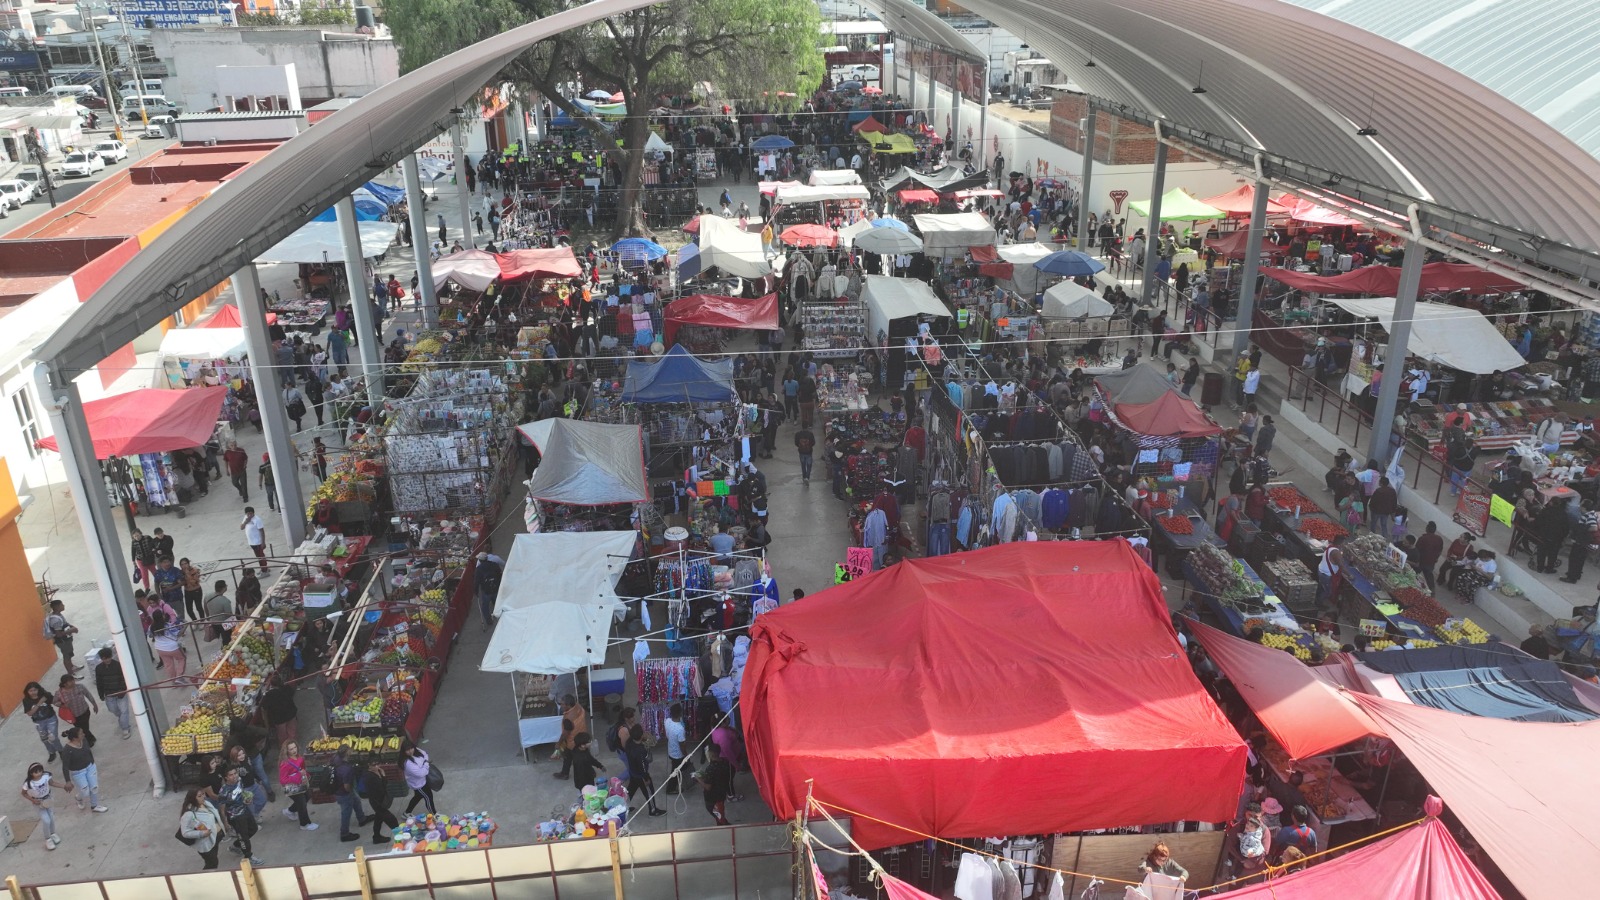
{"x": 463, "y": 196}
{"x": 1084, "y": 195}
{"x": 1394, "y": 359}
{"x": 1152, "y": 242}
{"x": 274, "y": 415}
{"x": 368, "y": 338}
{"x": 427, "y": 297}
{"x": 1244, "y": 313}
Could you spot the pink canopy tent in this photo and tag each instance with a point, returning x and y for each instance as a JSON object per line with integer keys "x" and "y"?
{"x": 1309, "y": 213}
{"x": 760, "y": 314}
{"x": 228, "y": 317}
{"x": 1241, "y": 202}
{"x": 150, "y": 421}
{"x": 1421, "y": 863}
{"x": 554, "y": 262}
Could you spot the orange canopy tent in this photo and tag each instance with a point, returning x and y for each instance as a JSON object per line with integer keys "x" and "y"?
{"x": 868, "y": 124}
{"x": 228, "y": 317}
{"x": 1241, "y": 201}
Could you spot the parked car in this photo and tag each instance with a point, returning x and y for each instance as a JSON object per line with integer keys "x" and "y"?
{"x": 35, "y": 178}
{"x": 82, "y": 163}
{"x": 14, "y": 192}
{"x": 111, "y": 151}
{"x": 92, "y": 102}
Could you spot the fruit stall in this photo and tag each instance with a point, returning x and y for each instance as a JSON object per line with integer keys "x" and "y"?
{"x": 1376, "y": 572}
{"x": 1177, "y": 531}
{"x": 1242, "y": 602}
{"x": 1322, "y": 788}
{"x": 1306, "y": 528}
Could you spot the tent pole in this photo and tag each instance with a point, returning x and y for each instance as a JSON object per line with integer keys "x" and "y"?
{"x": 516, "y": 706}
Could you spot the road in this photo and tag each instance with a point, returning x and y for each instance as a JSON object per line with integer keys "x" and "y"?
{"x": 68, "y": 188}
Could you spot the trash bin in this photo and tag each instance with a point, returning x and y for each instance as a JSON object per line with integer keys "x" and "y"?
{"x": 1211, "y": 388}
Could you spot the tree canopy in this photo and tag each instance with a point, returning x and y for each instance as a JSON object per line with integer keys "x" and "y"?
{"x": 749, "y": 50}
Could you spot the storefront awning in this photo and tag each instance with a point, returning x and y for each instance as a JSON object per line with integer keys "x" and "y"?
{"x": 150, "y": 421}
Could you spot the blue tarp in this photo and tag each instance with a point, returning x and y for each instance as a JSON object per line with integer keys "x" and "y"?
{"x": 369, "y": 208}
{"x": 679, "y": 377}
{"x": 389, "y": 195}
{"x": 771, "y": 142}
{"x": 1491, "y": 681}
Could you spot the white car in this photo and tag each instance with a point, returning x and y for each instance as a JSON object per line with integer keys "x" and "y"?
{"x": 82, "y": 163}
{"x": 15, "y": 192}
{"x": 111, "y": 151}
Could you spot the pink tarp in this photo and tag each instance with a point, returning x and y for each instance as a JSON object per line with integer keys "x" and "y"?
{"x": 1529, "y": 792}
{"x": 1233, "y": 243}
{"x": 150, "y": 421}
{"x": 555, "y": 262}
{"x": 474, "y": 270}
{"x": 1170, "y": 415}
{"x": 1421, "y": 863}
{"x": 1311, "y": 214}
{"x": 1304, "y": 713}
{"x": 1241, "y": 202}
{"x": 228, "y": 317}
{"x": 760, "y": 314}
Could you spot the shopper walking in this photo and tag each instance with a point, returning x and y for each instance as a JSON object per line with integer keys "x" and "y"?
{"x": 418, "y": 770}
{"x": 164, "y": 635}
{"x": 294, "y": 403}
{"x": 716, "y": 782}
{"x": 574, "y": 721}
{"x": 584, "y": 765}
{"x": 75, "y": 703}
{"x": 78, "y": 759}
{"x": 805, "y": 443}
{"x": 267, "y": 481}
{"x": 60, "y": 632}
{"x": 255, "y": 534}
{"x": 296, "y": 785}
{"x": 194, "y": 591}
{"x": 112, "y": 686}
{"x": 486, "y": 578}
{"x": 238, "y": 463}
{"x": 345, "y": 775}
{"x": 200, "y": 825}
{"x": 639, "y": 780}
{"x": 375, "y": 788}
{"x": 40, "y": 707}
{"x": 36, "y": 789}
{"x": 676, "y": 736}
{"x": 237, "y": 798}
{"x": 143, "y": 556}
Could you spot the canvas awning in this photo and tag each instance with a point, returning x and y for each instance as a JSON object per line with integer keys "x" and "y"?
{"x": 868, "y": 124}
{"x": 1140, "y": 384}
{"x": 917, "y": 195}
{"x": 736, "y": 252}
{"x": 893, "y": 144}
{"x": 1024, "y": 279}
{"x": 591, "y": 464}
{"x": 950, "y": 234}
{"x": 474, "y": 270}
{"x": 1302, "y": 210}
{"x": 771, "y": 188}
{"x": 1048, "y": 667}
{"x": 1070, "y": 300}
{"x": 203, "y": 343}
{"x": 888, "y": 299}
{"x": 1177, "y": 205}
{"x": 152, "y": 420}
{"x": 320, "y": 242}
{"x": 1437, "y": 278}
{"x": 228, "y": 317}
{"x": 552, "y": 262}
{"x": 835, "y": 177}
{"x": 1241, "y": 202}
{"x": 656, "y": 143}
{"x": 1232, "y": 245}
{"x": 679, "y": 377}
{"x": 557, "y": 601}
{"x": 1455, "y": 336}
{"x": 805, "y": 193}
{"x": 715, "y": 311}
{"x": 1420, "y": 863}
{"x": 948, "y": 178}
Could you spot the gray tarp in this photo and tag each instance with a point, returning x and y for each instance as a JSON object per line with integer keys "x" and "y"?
{"x": 1140, "y": 384}
{"x": 588, "y": 463}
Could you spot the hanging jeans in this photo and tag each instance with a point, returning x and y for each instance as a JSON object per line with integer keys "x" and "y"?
{"x": 938, "y": 538}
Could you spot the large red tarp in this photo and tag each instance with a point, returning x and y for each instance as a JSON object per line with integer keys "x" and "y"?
{"x": 809, "y": 236}
{"x": 1421, "y": 863}
{"x": 919, "y": 195}
{"x": 1241, "y": 202}
{"x": 1020, "y": 689}
{"x": 1529, "y": 792}
{"x": 1302, "y": 210}
{"x": 1170, "y": 415}
{"x": 150, "y": 421}
{"x": 869, "y": 124}
{"x": 760, "y": 314}
{"x": 555, "y": 262}
{"x": 228, "y": 317}
{"x": 1384, "y": 281}
{"x": 1233, "y": 243}
{"x": 1305, "y": 714}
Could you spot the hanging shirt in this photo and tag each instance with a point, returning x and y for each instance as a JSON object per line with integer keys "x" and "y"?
{"x": 874, "y": 531}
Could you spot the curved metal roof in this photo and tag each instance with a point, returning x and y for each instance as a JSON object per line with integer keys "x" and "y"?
{"x": 285, "y": 189}
{"x": 1477, "y": 108}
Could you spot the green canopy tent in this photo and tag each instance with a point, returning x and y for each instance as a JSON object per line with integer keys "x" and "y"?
{"x": 1176, "y": 206}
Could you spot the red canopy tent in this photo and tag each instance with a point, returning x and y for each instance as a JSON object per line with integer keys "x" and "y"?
{"x": 554, "y": 262}
{"x": 919, "y": 195}
{"x": 1241, "y": 201}
{"x": 1437, "y": 278}
{"x": 926, "y": 694}
{"x": 228, "y": 317}
{"x": 150, "y": 421}
{"x": 1232, "y": 244}
{"x": 1421, "y": 863}
{"x": 760, "y": 314}
{"x": 1443, "y": 277}
{"x": 1310, "y": 213}
{"x": 868, "y": 124}
{"x": 1170, "y": 415}
{"x": 809, "y": 236}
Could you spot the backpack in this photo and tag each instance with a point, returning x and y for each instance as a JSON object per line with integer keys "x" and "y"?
{"x": 611, "y": 740}
{"x": 49, "y": 629}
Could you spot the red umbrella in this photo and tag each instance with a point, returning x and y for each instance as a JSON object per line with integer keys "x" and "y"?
{"x": 810, "y": 236}
{"x": 617, "y": 97}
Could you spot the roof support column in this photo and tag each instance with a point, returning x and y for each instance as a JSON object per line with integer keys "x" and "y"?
{"x": 1152, "y": 237}
{"x": 274, "y": 415}
{"x": 463, "y": 196}
{"x": 1394, "y": 358}
{"x": 427, "y": 296}
{"x": 110, "y": 561}
{"x": 369, "y": 337}
{"x": 981, "y": 158}
{"x": 1244, "y": 313}
{"x": 955, "y": 125}
{"x": 1084, "y": 237}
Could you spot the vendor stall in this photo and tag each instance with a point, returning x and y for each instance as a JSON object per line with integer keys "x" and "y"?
{"x": 590, "y": 475}
{"x": 951, "y": 234}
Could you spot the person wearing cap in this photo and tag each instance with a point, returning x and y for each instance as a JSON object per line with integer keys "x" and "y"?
{"x": 486, "y": 578}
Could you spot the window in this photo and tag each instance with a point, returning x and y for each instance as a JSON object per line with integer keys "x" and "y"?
{"x": 26, "y": 421}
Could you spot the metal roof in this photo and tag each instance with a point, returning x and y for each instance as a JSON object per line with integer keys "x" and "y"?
{"x": 1477, "y": 108}
{"x": 904, "y": 17}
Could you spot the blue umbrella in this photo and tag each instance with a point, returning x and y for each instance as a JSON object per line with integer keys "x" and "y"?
{"x": 771, "y": 142}
{"x": 1070, "y": 263}
{"x": 890, "y": 222}
{"x": 638, "y": 248}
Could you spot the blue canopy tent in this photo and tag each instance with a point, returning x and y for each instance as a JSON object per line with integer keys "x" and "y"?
{"x": 562, "y": 120}
{"x": 679, "y": 377}
{"x": 771, "y": 142}
{"x": 890, "y": 222}
{"x": 389, "y": 195}
{"x": 638, "y": 250}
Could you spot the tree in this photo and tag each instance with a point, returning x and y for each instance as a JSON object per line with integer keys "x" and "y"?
{"x": 748, "y": 49}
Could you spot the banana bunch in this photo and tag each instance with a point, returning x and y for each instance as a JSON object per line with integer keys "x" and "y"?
{"x": 1419, "y": 644}
{"x": 394, "y": 744}
{"x": 1465, "y": 631}
{"x": 324, "y": 745}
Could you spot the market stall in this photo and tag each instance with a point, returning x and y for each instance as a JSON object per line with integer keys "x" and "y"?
{"x": 446, "y": 442}
{"x": 951, "y": 234}
{"x": 895, "y": 306}
{"x": 590, "y": 475}
{"x": 689, "y": 409}
{"x": 712, "y": 311}
{"x": 1177, "y": 443}
{"x": 1024, "y": 279}
{"x": 722, "y": 246}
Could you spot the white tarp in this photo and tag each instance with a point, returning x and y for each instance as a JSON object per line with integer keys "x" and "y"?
{"x": 655, "y": 143}
{"x": 474, "y": 270}
{"x": 1025, "y": 279}
{"x": 1071, "y": 300}
{"x": 557, "y": 601}
{"x": 317, "y": 242}
{"x": 589, "y": 464}
{"x": 735, "y": 252}
{"x": 1459, "y": 338}
{"x": 203, "y": 343}
{"x": 806, "y": 193}
{"x": 847, "y": 234}
{"x": 888, "y": 299}
{"x": 821, "y": 177}
{"x": 950, "y": 234}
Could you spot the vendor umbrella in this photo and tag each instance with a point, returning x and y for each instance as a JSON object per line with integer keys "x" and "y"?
{"x": 890, "y": 222}
{"x": 771, "y": 142}
{"x": 1070, "y": 263}
{"x": 872, "y": 89}
{"x": 810, "y": 236}
{"x": 888, "y": 240}
{"x": 598, "y": 95}
{"x": 849, "y": 86}
{"x": 638, "y": 248}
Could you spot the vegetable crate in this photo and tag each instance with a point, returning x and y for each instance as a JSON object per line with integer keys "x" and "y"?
{"x": 1293, "y": 583}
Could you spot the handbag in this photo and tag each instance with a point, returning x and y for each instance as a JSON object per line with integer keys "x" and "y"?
{"x": 435, "y": 779}
{"x": 66, "y": 714}
{"x": 186, "y": 840}
{"x": 295, "y": 788}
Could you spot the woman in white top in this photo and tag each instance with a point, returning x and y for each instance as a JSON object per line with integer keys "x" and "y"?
{"x": 164, "y": 635}
{"x": 202, "y": 824}
{"x": 36, "y": 789}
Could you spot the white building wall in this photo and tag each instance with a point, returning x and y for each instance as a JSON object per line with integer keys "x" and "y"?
{"x": 345, "y": 65}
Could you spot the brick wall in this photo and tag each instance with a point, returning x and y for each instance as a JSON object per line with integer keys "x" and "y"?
{"x": 1117, "y": 140}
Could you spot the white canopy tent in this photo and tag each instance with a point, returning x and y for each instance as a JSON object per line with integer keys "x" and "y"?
{"x": 318, "y": 242}
{"x": 820, "y": 177}
{"x": 1025, "y": 279}
{"x": 735, "y": 252}
{"x": 474, "y": 270}
{"x": 888, "y": 299}
{"x": 849, "y": 233}
{"x": 806, "y": 193}
{"x": 203, "y": 343}
{"x": 949, "y": 234}
{"x": 657, "y": 144}
{"x": 1459, "y": 338}
{"x": 1071, "y": 300}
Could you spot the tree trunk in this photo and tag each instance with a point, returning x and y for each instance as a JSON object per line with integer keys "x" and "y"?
{"x": 631, "y": 220}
